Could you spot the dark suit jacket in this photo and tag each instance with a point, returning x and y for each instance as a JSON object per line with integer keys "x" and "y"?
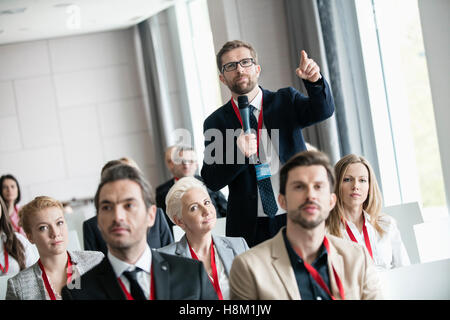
{"x": 217, "y": 199}
{"x": 176, "y": 278}
{"x": 158, "y": 236}
{"x": 287, "y": 110}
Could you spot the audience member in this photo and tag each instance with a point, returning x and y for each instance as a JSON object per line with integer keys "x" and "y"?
{"x": 11, "y": 194}
{"x": 357, "y": 215}
{"x": 159, "y": 235}
{"x": 301, "y": 262}
{"x": 125, "y": 211}
{"x": 189, "y": 206}
{"x": 182, "y": 162}
{"x": 253, "y": 212}
{"x": 16, "y": 252}
{"x": 44, "y": 223}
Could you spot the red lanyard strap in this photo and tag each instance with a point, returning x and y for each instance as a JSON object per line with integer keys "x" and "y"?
{"x": 152, "y": 287}
{"x": 5, "y": 269}
{"x": 215, "y": 281}
{"x": 48, "y": 287}
{"x": 260, "y": 120}
{"x": 318, "y": 278}
{"x": 365, "y": 233}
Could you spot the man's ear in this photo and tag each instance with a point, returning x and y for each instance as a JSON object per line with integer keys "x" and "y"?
{"x": 333, "y": 200}
{"x": 151, "y": 214}
{"x": 222, "y": 78}
{"x": 282, "y": 201}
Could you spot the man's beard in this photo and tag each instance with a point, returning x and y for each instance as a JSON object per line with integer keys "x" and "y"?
{"x": 297, "y": 217}
{"x": 240, "y": 88}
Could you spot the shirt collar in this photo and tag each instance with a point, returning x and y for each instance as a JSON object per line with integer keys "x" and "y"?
{"x": 293, "y": 256}
{"x": 119, "y": 266}
{"x": 256, "y": 102}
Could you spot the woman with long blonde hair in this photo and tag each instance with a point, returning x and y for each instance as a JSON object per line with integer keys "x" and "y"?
{"x": 357, "y": 214}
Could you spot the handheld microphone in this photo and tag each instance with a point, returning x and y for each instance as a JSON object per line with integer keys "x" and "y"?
{"x": 244, "y": 111}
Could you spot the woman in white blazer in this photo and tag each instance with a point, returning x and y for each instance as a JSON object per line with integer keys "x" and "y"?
{"x": 44, "y": 224}
{"x": 189, "y": 206}
{"x": 357, "y": 215}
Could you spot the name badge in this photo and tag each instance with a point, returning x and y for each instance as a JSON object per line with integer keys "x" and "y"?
{"x": 262, "y": 171}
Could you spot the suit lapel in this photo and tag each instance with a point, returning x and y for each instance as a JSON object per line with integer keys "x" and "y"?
{"x": 225, "y": 252}
{"x": 182, "y": 248}
{"x": 161, "y": 275}
{"x": 283, "y": 267}
{"x": 335, "y": 260}
{"x": 107, "y": 279}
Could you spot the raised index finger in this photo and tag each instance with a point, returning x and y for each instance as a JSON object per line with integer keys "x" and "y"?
{"x": 303, "y": 58}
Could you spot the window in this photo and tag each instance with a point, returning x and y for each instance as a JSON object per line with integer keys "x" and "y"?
{"x": 401, "y": 104}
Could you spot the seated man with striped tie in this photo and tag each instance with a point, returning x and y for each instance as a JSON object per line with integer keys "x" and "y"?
{"x": 302, "y": 261}
{"x": 276, "y": 120}
{"x": 131, "y": 270}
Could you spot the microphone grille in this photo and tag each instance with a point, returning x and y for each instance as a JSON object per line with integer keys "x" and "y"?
{"x": 242, "y": 101}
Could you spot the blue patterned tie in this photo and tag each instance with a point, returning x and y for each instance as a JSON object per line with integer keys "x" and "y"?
{"x": 264, "y": 185}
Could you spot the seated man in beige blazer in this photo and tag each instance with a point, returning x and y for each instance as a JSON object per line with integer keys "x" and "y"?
{"x": 301, "y": 261}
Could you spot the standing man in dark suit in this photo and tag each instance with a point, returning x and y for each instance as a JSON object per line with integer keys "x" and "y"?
{"x": 131, "y": 270}
{"x": 277, "y": 118}
{"x": 182, "y": 162}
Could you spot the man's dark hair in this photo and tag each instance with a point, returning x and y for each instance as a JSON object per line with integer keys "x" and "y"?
{"x": 126, "y": 172}
{"x": 230, "y": 45}
{"x": 306, "y": 158}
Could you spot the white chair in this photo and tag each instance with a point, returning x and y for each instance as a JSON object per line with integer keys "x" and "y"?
{"x": 3, "y": 286}
{"x": 433, "y": 240}
{"x": 74, "y": 241}
{"x": 407, "y": 216}
{"x": 424, "y": 281}
{"x": 219, "y": 229}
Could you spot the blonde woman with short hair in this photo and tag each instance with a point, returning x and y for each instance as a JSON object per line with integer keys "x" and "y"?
{"x": 189, "y": 206}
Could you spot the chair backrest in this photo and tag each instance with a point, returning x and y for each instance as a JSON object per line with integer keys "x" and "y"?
{"x": 433, "y": 239}
{"x": 424, "y": 281}
{"x": 74, "y": 241}
{"x": 218, "y": 230}
{"x": 3, "y": 286}
{"x": 407, "y": 215}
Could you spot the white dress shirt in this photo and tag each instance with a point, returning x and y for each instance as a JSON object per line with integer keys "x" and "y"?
{"x": 270, "y": 156}
{"x": 31, "y": 254}
{"x": 143, "y": 277}
{"x": 388, "y": 251}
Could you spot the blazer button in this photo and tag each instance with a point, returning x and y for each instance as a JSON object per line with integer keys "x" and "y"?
{"x": 164, "y": 268}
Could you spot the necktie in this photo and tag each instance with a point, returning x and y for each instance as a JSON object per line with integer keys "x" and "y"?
{"x": 264, "y": 185}
{"x": 135, "y": 288}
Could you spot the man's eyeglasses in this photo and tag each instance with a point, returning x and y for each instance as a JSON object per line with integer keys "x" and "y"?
{"x": 231, "y": 66}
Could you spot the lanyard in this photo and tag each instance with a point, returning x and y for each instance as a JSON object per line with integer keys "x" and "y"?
{"x": 260, "y": 120}
{"x": 48, "y": 287}
{"x": 5, "y": 269}
{"x": 152, "y": 287}
{"x": 15, "y": 226}
{"x": 318, "y": 278}
{"x": 366, "y": 236}
{"x": 215, "y": 281}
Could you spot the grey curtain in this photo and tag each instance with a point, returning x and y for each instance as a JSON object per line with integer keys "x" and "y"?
{"x": 328, "y": 31}
{"x": 155, "y": 95}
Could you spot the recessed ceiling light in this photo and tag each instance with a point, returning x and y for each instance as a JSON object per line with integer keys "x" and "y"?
{"x": 62, "y": 5}
{"x": 13, "y": 11}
